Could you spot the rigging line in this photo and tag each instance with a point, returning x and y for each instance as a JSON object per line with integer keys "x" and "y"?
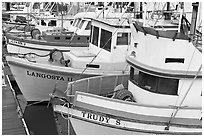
{"x": 70, "y": 9}
{"x": 102, "y": 11}
{"x": 185, "y": 77}
{"x": 62, "y": 112}
{"x": 79, "y": 24}
{"x": 159, "y": 15}
{"x": 100, "y": 49}
{"x": 37, "y": 102}
{"x": 132, "y": 23}
{"x": 177, "y": 108}
{"x": 124, "y": 12}
{"x": 105, "y": 43}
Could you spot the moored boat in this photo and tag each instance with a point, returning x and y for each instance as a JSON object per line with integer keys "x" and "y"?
{"x": 162, "y": 94}
{"x": 45, "y": 41}
{"x": 105, "y": 55}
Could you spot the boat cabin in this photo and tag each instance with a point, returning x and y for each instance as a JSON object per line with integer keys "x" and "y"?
{"x": 82, "y": 23}
{"x": 63, "y": 36}
{"x": 163, "y": 69}
{"x": 108, "y": 47}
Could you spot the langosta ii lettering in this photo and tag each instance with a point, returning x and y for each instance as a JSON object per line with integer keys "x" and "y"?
{"x": 46, "y": 76}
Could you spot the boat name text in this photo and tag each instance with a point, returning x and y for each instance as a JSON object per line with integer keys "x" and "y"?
{"x": 99, "y": 118}
{"x": 17, "y": 42}
{"x": 47, "y": 76}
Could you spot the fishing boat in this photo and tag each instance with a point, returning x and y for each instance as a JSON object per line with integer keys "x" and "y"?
{"x": 63, "y": 39}
{"x": 43, "y": 42}
{"x": 161, "y": 95}
{"x": 108, "y": 47}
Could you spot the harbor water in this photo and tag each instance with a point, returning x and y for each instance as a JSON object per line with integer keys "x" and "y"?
{"x": 39, "y": 117}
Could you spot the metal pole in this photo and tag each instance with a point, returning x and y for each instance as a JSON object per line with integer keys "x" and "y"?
{"x": 68, "y": 126}
{"x": 194, "y": 18}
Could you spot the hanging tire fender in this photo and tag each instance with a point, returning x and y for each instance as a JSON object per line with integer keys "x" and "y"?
{"x": 123, "y": 94}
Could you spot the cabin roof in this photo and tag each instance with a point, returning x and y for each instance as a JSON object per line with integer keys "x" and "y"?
{"x": 161, "y": 72}
{"x": 113, "y": 22}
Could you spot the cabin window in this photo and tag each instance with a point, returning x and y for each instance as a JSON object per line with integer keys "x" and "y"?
{"x": 67, "y": 38}
{"x": 77, "y": 25}
{"x": 105, "y": 42}
{"x": 81, "y": 24}
{"x": 155, "y": 84}
{"x": 43, "y": 23}
{"x": 91, "y": 33}
{"x": 57, "y": 38}
{"x": 174, "y": 60}
{"x": 147, "y": 81}
{"x": 167, "y": 86}
{"x": 95, "y": 35}
{"x": 52, "y": 23}
{"x": 123, "y": 38}
{"x": 75, "y": 21}
{"x": 134, "y": 75}
{"x": 92, "y": 66}
{"x": 88, "y": 27}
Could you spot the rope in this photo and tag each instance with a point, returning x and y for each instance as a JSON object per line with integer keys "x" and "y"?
{"x": 23, "y": 55}
{"x": 102, "y": 11}
{"x": 37, "y": 102}
{"x": 177, "y": 108}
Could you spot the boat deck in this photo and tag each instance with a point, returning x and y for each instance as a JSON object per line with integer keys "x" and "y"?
{"x": 11, "y": 123}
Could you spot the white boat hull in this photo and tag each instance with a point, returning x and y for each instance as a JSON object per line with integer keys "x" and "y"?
{"x": 37, "y": 83}
{"x": 37, "y": 80}
{"x": 87, "y": 128}
{"x": 92, "y": 123}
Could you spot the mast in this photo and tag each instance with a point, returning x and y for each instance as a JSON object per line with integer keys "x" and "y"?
{"x": 141, "y": 10}
{"x": 8, "y": 6}
{"x": 181, "y": 14}
{"x": 61, "y": 17}
{"x": 194, "y": 18}
{"x": 138, "y": 10}
{"x": 145, "y": 14}
{"x": 168, "y": 14}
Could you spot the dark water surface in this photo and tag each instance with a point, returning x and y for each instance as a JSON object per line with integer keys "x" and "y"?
{"x": 40, "y": 120}
{"x": 39, "y": 117}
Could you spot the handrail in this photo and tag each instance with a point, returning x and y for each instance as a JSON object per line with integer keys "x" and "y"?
{"x": 100, "y": 85}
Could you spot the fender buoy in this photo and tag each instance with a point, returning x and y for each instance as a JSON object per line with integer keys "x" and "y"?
{"x": 57, "y": 56}
{"x": 4, "y": 41}
{"x": 123, "y": 94}
{"x": 35, "y": 33}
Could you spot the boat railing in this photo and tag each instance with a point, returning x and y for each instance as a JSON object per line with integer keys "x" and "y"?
{"x": 100, "y": 85}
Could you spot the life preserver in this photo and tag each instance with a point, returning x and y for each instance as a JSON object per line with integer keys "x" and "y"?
{"x": 123, "y": 94}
